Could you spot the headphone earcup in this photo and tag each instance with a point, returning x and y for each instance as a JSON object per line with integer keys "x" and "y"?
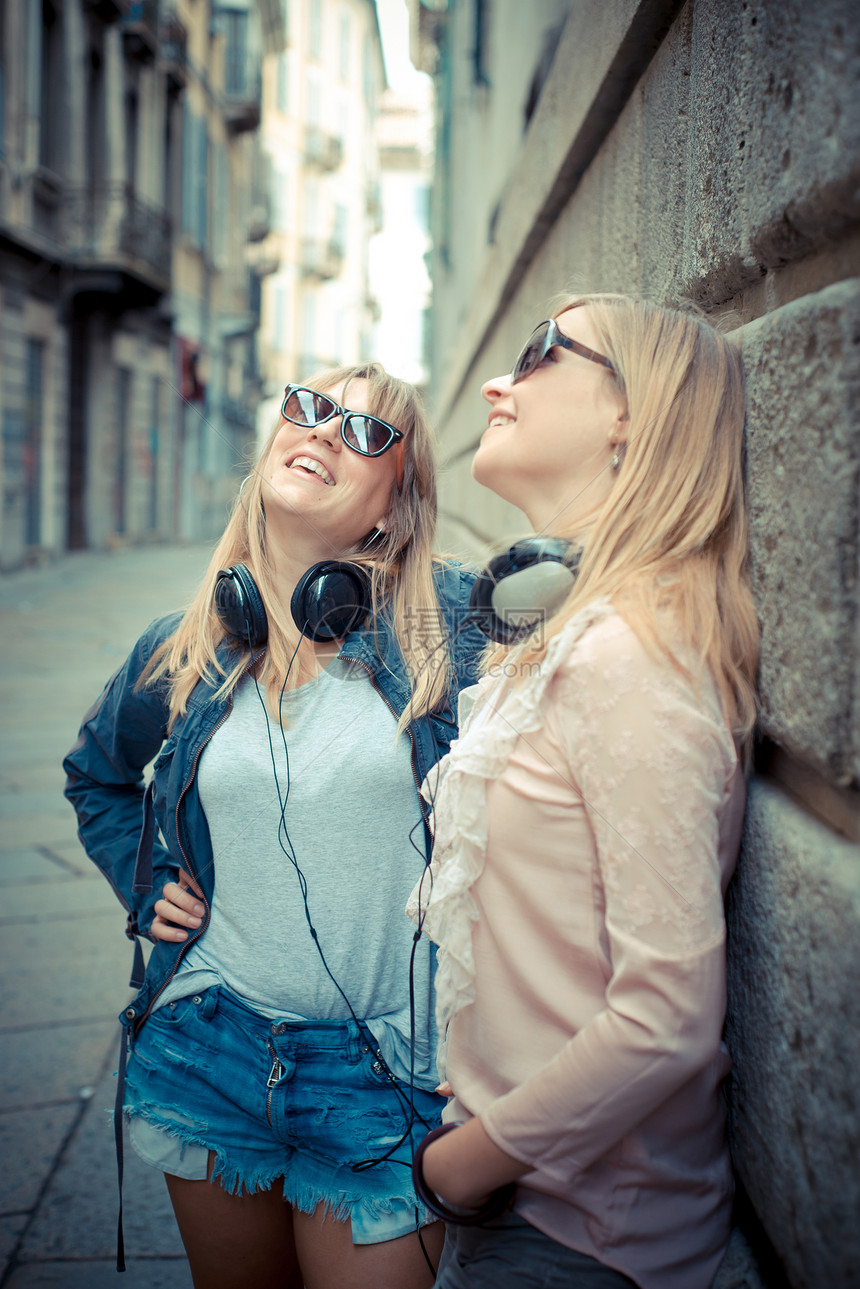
{"x": 331, "y": 599}
{"x": 240, "y": 607}
{"x": 522, "y": 586}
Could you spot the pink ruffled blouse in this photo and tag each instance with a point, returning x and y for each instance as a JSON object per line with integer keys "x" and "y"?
{"x": 587, "y": 823}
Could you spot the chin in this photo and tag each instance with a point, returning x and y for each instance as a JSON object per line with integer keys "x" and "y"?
{"x": 489, "y": 475}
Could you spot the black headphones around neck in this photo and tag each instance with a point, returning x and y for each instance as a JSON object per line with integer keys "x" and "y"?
{"x": 331, "y": 599}
{"x": 518, "y": 589}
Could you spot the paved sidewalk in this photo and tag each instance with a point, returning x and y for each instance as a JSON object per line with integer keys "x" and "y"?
{"x": 64, "y": 958}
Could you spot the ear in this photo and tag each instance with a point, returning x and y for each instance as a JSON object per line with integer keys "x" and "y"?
{"x": 618, "y": 433}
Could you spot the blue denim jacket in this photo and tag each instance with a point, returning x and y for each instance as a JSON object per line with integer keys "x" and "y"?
{"x": 119, "y": 819}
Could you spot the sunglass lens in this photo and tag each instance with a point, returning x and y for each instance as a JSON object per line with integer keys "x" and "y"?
{"x": 532, "y": 353}
{"x": 366, "y": 435}
{"x": 307, "y": 407}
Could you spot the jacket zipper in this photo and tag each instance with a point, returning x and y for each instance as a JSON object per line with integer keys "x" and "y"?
{"x": 191, "y": 939}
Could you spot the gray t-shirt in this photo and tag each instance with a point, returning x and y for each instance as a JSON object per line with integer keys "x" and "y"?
{"x": 350, "y": 807}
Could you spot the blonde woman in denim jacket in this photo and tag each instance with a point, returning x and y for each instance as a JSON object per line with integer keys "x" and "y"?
{"x": 281, "y": 1056}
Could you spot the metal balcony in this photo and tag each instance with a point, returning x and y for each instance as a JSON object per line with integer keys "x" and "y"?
{"x": 242, "y": 107}
{"x": 112, "y": 229}
{"x": 174, "y": 51}
{"x": 322, "y": 150}
{"x": 320, "y": 258}
{"x": 139, "y": 27}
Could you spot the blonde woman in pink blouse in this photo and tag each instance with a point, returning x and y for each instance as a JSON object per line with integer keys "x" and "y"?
{"x": 588, "y": 822}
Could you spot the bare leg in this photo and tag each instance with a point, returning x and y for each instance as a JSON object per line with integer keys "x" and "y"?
{"x": 330, "y": 1260}
{"x": 235, "y": 1241}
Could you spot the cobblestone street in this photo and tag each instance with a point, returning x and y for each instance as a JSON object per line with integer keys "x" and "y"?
{"x": 64, "y": 957}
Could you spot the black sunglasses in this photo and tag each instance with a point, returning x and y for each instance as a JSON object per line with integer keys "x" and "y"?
{"x": 539, "y": 344}
{"x": 365, "y": 434}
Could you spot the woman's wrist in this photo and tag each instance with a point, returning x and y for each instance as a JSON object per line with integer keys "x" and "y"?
{"x": 464, "y": 1168}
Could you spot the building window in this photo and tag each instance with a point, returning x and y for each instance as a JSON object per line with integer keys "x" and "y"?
{"x": 282, "y": 101}
{"x": 422, "y": 207}
{"x": 195, "y": 178}
{"x": 340, "y": 232}
{"x": 154, "y": 449}
{"x": 309, "y": 328}
{"x": 344, "y": 46}
{"x": 369, "y": 80}
{"x": 279, "y": 318}
{"x": 221, "y": 207}
{"x": 315, "y": 28}
{"x": 50, "y": 87}
{"x": 234, "y": 25}
{"x": 33, "y": 438}
{"x": 132, "y": 121}
{"x": 95, "y": 114}
{"x": 481, "y": 50}
{"x": 123, "y": 434}
{"x": 279, "y": 196}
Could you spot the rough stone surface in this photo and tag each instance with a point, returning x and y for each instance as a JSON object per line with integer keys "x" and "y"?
{"x": 776, "y": 158}
{"x": 737, "y": 152}
{"x": 803, "y": 383}
{"x": 738, "y": 1269}
{"x": 794, "y": 1033}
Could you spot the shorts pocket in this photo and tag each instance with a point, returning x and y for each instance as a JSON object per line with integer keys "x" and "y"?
{"x": 181, "y": 1011}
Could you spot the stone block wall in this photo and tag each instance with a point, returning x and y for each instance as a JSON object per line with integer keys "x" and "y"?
{"x": 711, "y": 149}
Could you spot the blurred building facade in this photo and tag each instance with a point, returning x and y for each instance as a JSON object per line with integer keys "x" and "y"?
{"x": 321, "y": 97}
{"x": 707, "y": 149}
{"x": 399, "y": 254}
{"x": 128, "y": 308}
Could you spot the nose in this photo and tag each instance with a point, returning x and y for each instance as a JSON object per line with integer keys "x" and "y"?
{"x": 328, "y": 432}
{"x": 495, "y": 388}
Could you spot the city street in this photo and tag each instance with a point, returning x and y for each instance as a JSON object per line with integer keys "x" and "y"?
{"x": 64, "y": 957}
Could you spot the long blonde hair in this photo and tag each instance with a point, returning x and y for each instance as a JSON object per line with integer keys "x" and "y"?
{"x": 672, "y": 533}
{"x": 400, "y": 562}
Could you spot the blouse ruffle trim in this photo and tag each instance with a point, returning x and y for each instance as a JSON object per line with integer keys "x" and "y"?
{"x": 458, "y": 796}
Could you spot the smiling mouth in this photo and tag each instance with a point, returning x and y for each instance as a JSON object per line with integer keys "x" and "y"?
{"x": 499, "y": 420}
{"x": 310, "y": 466}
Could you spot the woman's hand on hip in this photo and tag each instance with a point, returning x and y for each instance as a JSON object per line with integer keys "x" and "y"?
{"x": 180, "y": 907}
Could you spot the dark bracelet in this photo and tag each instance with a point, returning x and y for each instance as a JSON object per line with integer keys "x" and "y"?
{"x": 498, "y": 1201}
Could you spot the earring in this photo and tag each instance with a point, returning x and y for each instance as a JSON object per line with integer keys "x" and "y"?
{"x": 616, "y": 460}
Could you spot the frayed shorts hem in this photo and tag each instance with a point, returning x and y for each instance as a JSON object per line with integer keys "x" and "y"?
{"x": 328, "y": 1110}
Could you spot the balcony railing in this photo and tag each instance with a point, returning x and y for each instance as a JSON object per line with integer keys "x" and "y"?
{"x": 111, "y": 227}
{"x": 107, "y": 10}
{"x": 325, "y": 151}
{"x": 174, "y": 51}
{"x": 321, "y": 259}
{"x": 140, "y": 28}
{"x": 242, "y": 105}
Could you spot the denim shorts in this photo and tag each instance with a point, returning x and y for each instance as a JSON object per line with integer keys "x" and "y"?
{"x": 308, "y": 1102}
{"x": 509, "y": 1253}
